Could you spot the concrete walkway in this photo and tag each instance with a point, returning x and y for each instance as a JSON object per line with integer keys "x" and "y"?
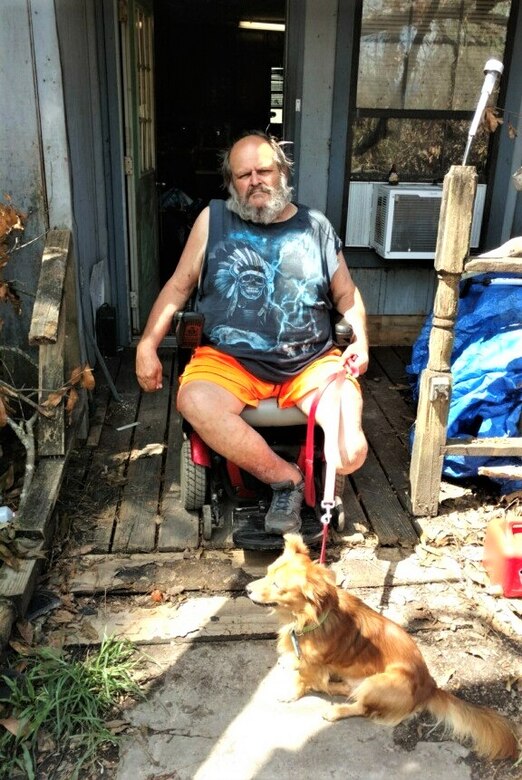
{"x": 213, "y": 685}
{"x": 216, "y": 716}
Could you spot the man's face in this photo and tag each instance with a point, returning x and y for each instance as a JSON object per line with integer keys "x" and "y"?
{"x": 254, "y": 172}
{"x": 258, "y": 189}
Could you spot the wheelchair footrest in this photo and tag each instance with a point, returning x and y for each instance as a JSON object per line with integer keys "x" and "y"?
{"x": 248, "y": 530}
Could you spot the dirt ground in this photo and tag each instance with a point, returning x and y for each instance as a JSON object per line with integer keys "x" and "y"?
{"x": 469, "y": 634}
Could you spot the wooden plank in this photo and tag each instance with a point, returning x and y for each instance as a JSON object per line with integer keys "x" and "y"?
{"x": 138, "y": 516}
{"x": 72, "y": 349}
{"x": 393, "y": 329}
{"x": 51, "y": 377}
{"x": 34, "y": 518}
{"x": 428, "y": 445}
{"x": 49, "y": 293}
{"x": 404, "y": 353}
{"x": 391, "y": 363}
{"x": 496, "y": 265}
{"x": 391, "y": 452}
{"x": 179, "y": 528}
{"x": 102, "y": 397}
{"x": 107, "y": 473}
{"x": 389, "y": 521}
{"x": 502, "y": 447}
{"x": 407, "y": 290}
{"x": 400, "y": 414}
{"x": 171, "y": 573}
{"x": 97, "y": 416}
{"x": 501, "y": 472}
{"x": 205, "y": 618}
{"x": 354, "y": 518}
{"x": 18, "y": 587}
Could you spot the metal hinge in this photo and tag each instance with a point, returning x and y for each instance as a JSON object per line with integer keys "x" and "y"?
{"x": 128, "y": 166}
{"x": 133, "y": 298}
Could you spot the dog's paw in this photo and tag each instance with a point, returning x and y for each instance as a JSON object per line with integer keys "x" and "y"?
{"x": 285, "y": 697}
{"x": 331, "y": 713}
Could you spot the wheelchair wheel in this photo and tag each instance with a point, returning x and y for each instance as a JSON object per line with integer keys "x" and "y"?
{"x": 207, "y": 523}
{"x": 193, "y": 480}
{"x": 340, "y": 481}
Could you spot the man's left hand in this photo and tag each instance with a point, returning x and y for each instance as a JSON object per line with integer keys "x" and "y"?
{"x": 355, "y": 360}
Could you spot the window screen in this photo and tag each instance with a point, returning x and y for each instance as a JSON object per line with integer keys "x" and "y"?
{"x": 421, "y": 69}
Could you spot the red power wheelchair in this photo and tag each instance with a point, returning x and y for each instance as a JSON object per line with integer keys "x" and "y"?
{"x": 230, "y": 501}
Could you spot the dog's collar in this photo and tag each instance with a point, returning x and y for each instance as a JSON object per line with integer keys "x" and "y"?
{"x": 306, "y": 630}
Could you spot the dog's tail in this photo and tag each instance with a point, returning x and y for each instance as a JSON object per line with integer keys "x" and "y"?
{"x": 491, "y": 734}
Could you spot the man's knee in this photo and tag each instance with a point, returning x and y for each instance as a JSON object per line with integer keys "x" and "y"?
{"x": 188, "y": 400}
{"x": 353, "y": 457}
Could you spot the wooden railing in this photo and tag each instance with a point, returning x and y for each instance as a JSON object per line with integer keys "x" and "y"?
{"x": 451, "y": 261}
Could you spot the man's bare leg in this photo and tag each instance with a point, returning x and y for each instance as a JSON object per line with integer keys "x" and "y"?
{"x": 214, "y": 413}
{"x": 343, "y": 435}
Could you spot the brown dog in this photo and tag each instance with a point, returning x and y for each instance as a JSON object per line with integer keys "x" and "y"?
{"x": 343, "y": 647}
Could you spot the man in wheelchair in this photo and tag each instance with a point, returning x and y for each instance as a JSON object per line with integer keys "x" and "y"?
{"x": 265, "y": 272}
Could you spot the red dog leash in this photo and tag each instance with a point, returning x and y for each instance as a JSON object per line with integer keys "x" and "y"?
{"x": 328, "y": 500}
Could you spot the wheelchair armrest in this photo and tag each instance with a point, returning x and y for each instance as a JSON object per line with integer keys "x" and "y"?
{"x": 188, "y": 329}
{"x": 343, "y": 333}
{"x": 268, "y": 414}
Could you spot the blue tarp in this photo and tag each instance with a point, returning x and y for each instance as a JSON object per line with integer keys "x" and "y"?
{"x": 486, "y": 367}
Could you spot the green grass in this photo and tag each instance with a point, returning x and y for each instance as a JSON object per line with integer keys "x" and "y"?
{"x": 68, "y": 700}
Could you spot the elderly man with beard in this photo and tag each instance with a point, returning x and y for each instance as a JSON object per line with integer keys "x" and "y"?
{"x": 267, "y": 273}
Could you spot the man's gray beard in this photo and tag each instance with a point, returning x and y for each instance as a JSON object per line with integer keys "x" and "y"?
{"x": 280, "y": 197}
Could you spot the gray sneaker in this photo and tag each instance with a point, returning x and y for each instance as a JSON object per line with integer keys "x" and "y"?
{"x": 284, "y": 515}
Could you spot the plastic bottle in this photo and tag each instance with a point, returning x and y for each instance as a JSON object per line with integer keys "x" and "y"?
{"x": 6, "y": 514}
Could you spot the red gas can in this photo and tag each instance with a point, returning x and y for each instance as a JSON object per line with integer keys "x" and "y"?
{"x": 503, "y": 555}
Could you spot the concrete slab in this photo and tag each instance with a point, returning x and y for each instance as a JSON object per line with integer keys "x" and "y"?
{"x": 216, "y": 716}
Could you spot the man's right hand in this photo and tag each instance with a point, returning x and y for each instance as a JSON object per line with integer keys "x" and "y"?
{"x": 149, "y": 370}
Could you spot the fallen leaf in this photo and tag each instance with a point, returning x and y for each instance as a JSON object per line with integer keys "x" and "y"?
{"x": 20, "y": 647}
{"x": 88, "y": 381}
{"x": 72, "y": 400}
{"x": 53, "y": 399}
{"x": 89, "y": 631}
{"x": 491, "y": 120}
{"x": 8, "y": 558}
{"x": 117, "y": 726}
{"x": 11, "y": 724}
{"x": 26, "y": 631}
{"x": 147, "y": 452}
{"x": 62, "y": 616}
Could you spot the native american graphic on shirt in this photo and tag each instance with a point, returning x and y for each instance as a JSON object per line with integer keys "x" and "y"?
{"x": 270, "y": 303}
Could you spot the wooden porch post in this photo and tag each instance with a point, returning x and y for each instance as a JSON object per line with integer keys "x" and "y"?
{"x": 452, "y": 250}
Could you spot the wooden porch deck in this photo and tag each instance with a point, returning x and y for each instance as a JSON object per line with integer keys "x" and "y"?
{"x": 123, "y": 486}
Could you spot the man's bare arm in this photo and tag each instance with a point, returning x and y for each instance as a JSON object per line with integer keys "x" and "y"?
{"x": 171, "y": 299}
{"x": 349, "y": 303}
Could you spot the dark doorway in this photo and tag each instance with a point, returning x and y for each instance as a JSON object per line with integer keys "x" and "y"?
{"x": 214, "y": 80}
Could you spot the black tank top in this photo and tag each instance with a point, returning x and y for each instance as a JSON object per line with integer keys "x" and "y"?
{"x": 264, "y": 290}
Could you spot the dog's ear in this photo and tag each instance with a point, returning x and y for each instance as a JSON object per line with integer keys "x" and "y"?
{"x": 318, "y": 587}
{"x": 294, "y": 544}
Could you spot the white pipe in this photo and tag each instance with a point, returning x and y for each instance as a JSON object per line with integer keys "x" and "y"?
{"x": 492, "y": 69}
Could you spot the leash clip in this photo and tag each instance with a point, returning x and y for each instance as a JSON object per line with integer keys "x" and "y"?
{"x": 326, "y": 517}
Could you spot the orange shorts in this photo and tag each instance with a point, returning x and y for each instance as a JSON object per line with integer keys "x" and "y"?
{"x": 209, "y": 365}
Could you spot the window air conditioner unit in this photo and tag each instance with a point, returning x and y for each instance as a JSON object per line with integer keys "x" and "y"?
{"x": 405, "y": 220}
